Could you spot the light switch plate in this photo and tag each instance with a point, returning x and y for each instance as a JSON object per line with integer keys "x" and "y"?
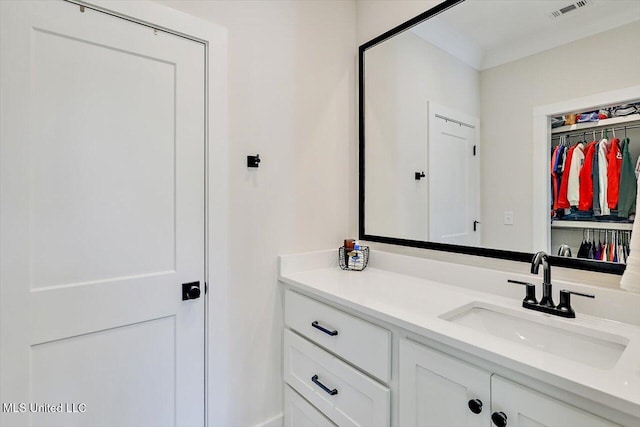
{"x": 508, "y": 217}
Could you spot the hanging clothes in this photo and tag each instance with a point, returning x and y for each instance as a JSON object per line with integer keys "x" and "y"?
{"x": 628, "y": 183}
{"x": 554, "y": 181}
{"x": 563, "y": 202}
{"x": 583, "y": 250}
{"x": 614, "y": 164}
{"x": 603, "y": 208}
{"x": 595, "y": 174}
{"x": 592, "y": 254}
{"x": 556, "y": 173}
{"x": 598, "y": 251}
{"x": 573, "y": 185}
{"x": 586, "y": 179}
{"x": 612, "y": 251}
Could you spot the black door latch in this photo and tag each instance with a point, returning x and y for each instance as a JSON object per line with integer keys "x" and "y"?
{"x": 190, "y": 290}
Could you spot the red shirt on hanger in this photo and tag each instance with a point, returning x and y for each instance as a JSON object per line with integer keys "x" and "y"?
{"x": 563, "y": 201}
{"x": 586, "y": 178}
{"x": 614, "y": 161}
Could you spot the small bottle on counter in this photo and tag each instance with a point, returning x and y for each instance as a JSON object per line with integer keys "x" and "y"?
{"x": 356, "y": 258}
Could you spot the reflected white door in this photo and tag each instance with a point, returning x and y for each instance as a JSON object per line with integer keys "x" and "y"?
{"x": 101, "y": 221}
{"x": 452, "y": 177}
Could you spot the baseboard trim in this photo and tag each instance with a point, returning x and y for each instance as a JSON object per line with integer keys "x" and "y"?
{"x": 276, "y": 421}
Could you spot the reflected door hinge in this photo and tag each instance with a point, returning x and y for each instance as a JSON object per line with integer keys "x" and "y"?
{"x": 206, "y": 288}
{"x": 475, "y": 225}
{"x": 474, "y": 150}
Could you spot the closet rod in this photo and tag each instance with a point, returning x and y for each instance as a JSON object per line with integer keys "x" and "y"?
{"x": 599, "y": 130}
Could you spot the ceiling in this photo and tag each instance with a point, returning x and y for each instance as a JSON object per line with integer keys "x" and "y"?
{"x": 487, "y": 33}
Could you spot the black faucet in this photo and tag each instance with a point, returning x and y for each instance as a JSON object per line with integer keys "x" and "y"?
{"x": 546, "y": 304}
{"x": 542, "y": 258}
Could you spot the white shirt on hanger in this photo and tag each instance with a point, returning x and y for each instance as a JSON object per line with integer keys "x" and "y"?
{"x": 602, "y": 176}
{"x": 573, "y": 188}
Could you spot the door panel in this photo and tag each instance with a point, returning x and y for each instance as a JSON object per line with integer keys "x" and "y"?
{"x": 67, "y": 369}
{"x": 87, "y": 175}
{"x": 435, "y": 389}
{"x": 102, "y": 218}
{"x": 452, "y": 177}
{"x": 528, "y": 408}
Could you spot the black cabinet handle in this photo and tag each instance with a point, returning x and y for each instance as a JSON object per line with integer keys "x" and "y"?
{"x": 325, "y": 330}
{"x": 324, "y": 387}
{"x": 499, "y": 419}
{"x": 475, "y": 405}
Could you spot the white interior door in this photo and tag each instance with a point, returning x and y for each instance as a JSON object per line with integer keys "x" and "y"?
{"x": 453, "y": 177}
{"x": 101, "y": 220}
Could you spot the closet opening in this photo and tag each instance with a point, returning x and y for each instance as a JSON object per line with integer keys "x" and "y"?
{"x": 593, "y": 168}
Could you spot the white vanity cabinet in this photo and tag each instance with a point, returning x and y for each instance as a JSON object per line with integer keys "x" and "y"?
{"x": 300, "y": 413}
{"x": 436, "y": 389}
{"x": 527, "y": 408}
{"x": 391, "y": 344}
{"x": 359, "y": 342}
{"x": 347, "y": 394}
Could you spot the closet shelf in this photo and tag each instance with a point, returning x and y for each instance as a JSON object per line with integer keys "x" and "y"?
{"x": 593, "y": 225}
{"x": 594, "y": 125}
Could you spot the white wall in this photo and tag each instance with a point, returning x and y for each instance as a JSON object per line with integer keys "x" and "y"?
{"x": 292, "y": 100}
{"x": 403, "y": 75}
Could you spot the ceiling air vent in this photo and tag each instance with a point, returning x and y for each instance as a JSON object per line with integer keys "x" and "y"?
{"x": 570, "y": 8}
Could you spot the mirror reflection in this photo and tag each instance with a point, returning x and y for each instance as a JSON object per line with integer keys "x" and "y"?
{"x": 451, "y": 148}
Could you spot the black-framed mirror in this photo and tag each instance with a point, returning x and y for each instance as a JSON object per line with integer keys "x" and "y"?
{"x": 447, "y": 104}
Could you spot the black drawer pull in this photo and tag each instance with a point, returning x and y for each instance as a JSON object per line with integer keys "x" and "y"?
{"x": 325, "y": 330}
{"x": 324, "y": 387}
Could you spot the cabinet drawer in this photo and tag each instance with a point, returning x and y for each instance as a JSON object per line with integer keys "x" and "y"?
{"x": 300, "y": 413}
{"x": 365, "y": 345}
{"x": 343, "y": 394}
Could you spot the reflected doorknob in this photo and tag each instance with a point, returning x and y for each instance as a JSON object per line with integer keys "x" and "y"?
{"x": 190, "y": 290}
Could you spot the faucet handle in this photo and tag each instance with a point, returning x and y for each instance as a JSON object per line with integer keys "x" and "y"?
{"x": 566, "y": 291}
{"x": 565, "y": 302}
{"x": 531, "y": 291}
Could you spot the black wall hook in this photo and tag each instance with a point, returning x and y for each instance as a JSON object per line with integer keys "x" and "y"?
{"x": 253, "y": 161}
{"x": 419, "y": 175}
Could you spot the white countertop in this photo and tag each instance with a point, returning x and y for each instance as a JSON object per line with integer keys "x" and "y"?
{"x": 415, "y": 304}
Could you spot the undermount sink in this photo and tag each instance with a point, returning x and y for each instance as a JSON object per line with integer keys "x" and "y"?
{"x": 574, "y": 342}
